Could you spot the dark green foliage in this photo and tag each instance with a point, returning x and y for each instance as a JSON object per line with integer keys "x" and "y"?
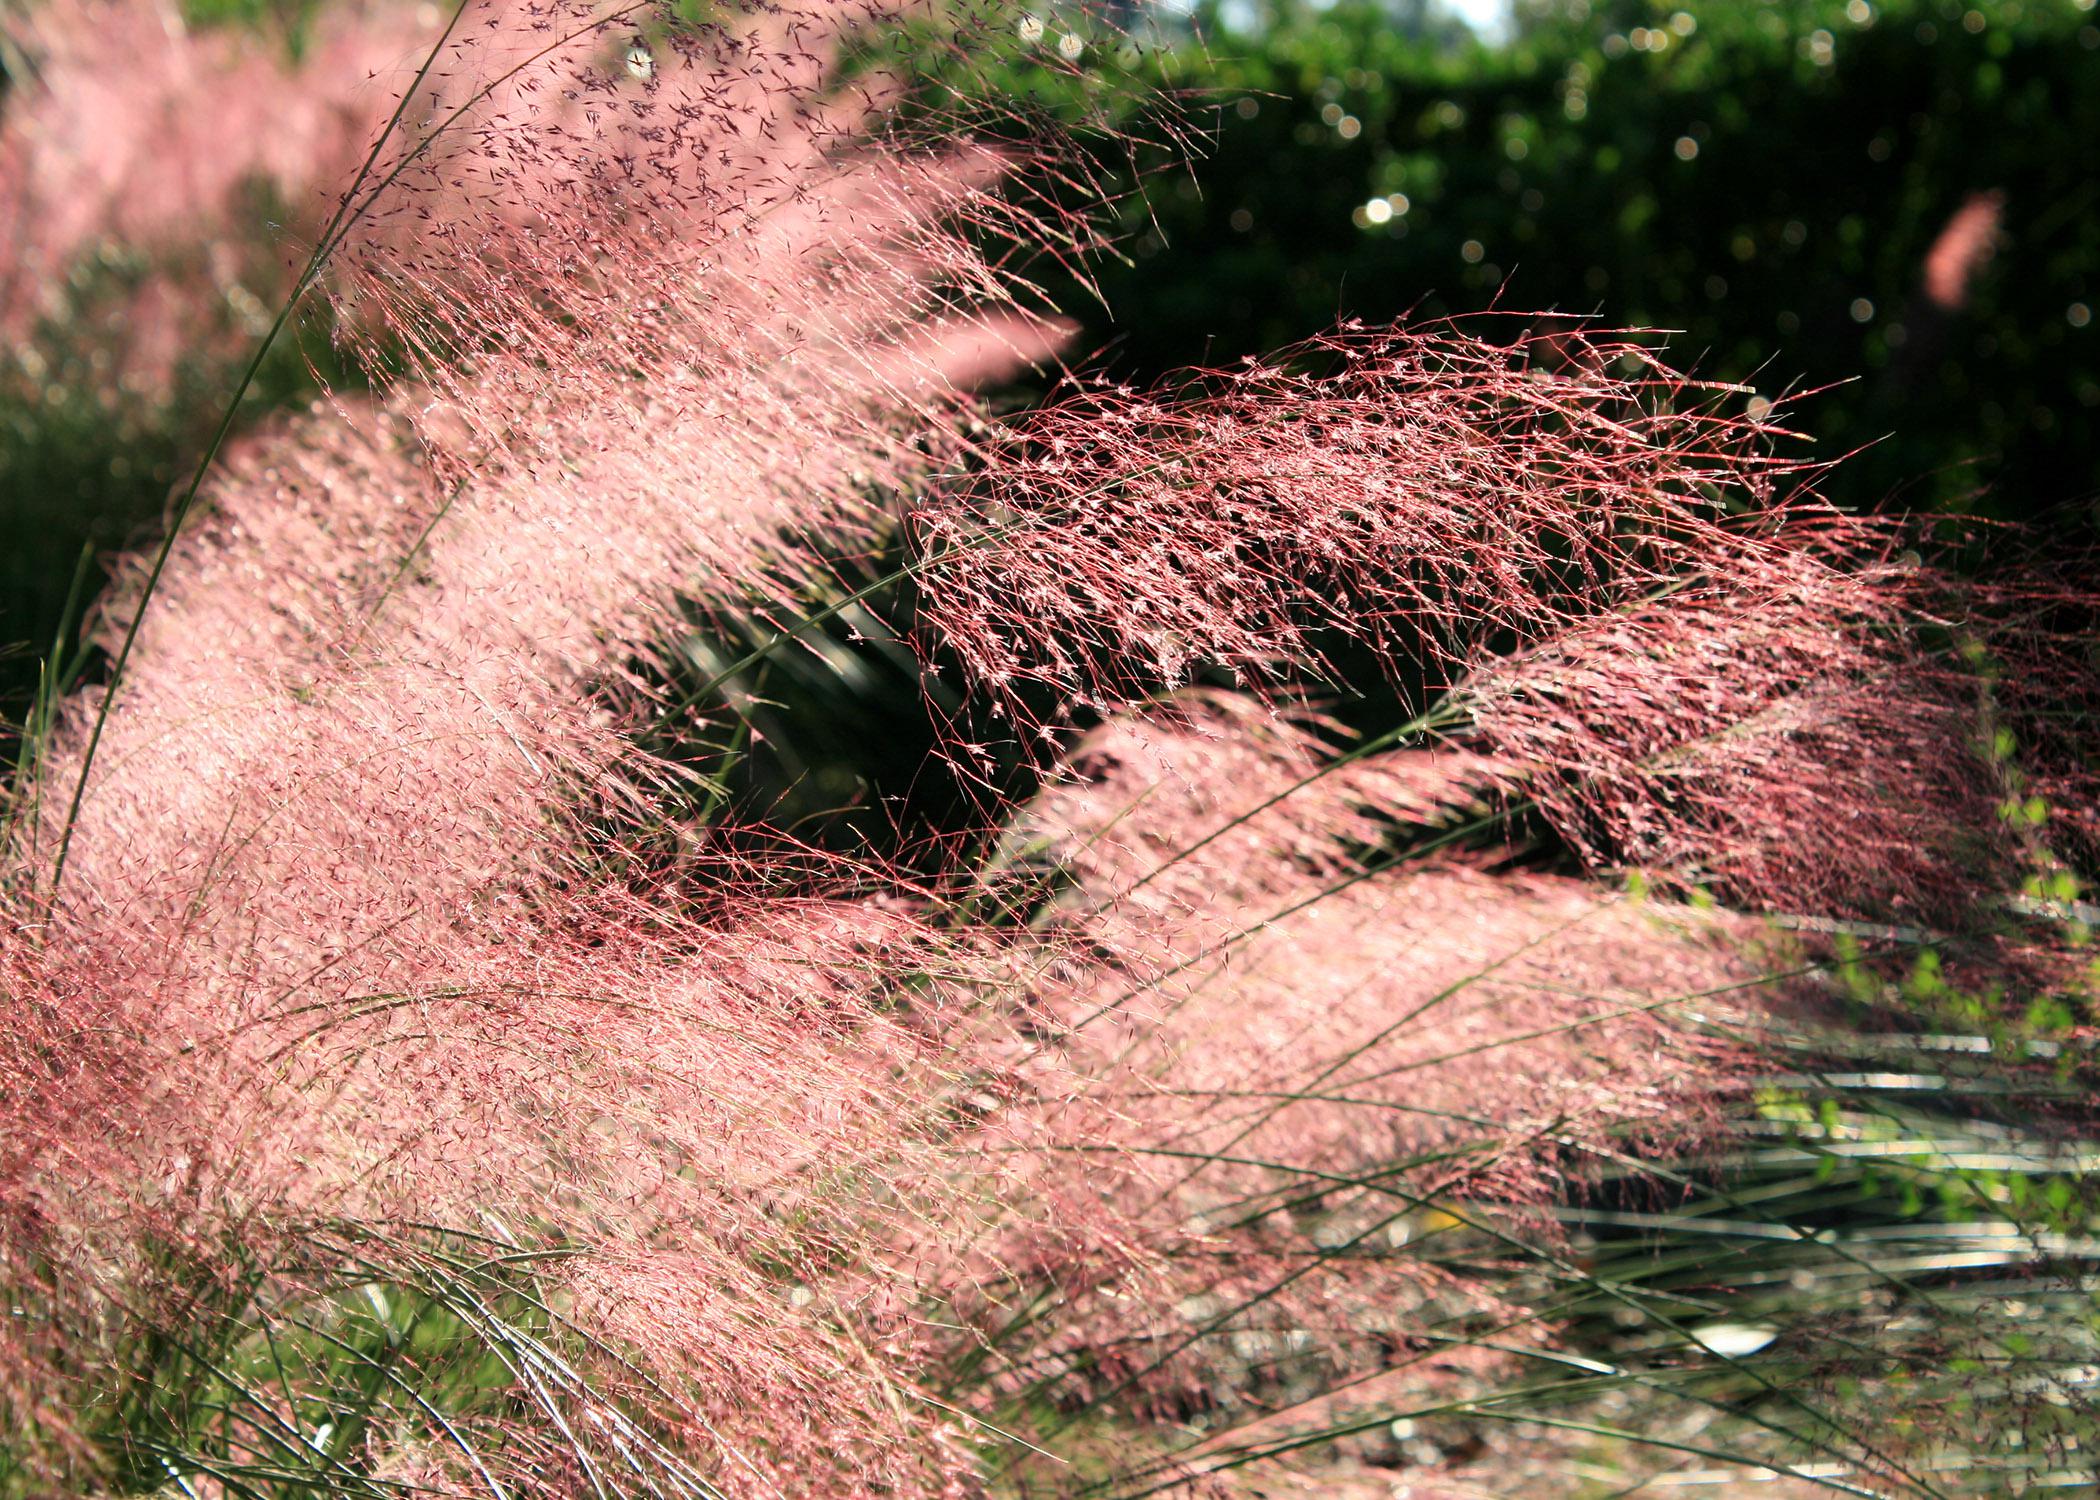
{"x": 1765, "y": 177}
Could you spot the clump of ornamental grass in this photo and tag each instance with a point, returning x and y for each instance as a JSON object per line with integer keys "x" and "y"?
{"x": 160, "y": 183}
{"x": 142, "y": 160}
{"x": 419, "y": 1077}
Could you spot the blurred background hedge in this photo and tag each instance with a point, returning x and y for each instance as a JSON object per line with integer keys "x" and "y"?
{"x": 1764, "y": 177}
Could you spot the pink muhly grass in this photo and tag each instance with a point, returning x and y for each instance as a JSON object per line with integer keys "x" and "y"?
{"x": 1683, "y": 657}
{"x": 1836, "y": 731}
{"x": 1962, "y": 250}
{"x": 138, "y": 143}
{"x": 1295, "y": 1055}
{"x": 1425, "y": 493}
{"x": 379, "y": 935}
{"x": 345, "y": 897}
{"x": 1786, "y": 741}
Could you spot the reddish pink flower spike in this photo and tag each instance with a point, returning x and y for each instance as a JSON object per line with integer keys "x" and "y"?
{"x": 1963, "y": 249}
{"x": 1422, "y": 493}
